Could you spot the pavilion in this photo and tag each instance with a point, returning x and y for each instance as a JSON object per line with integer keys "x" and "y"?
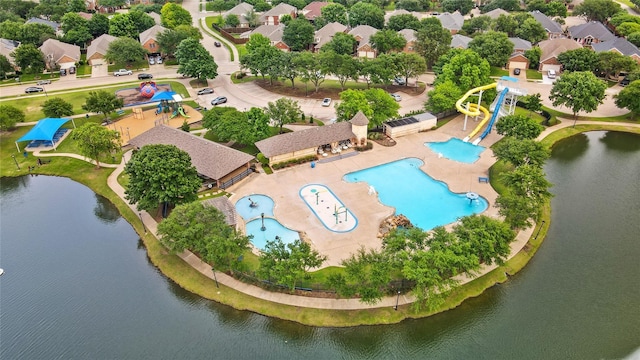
{"x": 45, "y": 130}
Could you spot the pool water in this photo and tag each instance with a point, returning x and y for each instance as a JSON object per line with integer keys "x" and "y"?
{"x": 426, "y": 202}
{"x": 252, "y": 217}
{"x": 457, "y": 150}
{"x": 273, "y": 228}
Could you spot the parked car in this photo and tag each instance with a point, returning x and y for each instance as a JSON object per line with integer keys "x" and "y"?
{"x": 152, "y": 61}
{"x": 516, "y": 71}
{"x": 145, "y": 76}
{"x": 43, "y": 82}
{"x": 551, "y": 74}
{"x": 205, "y": 91}
{"x": 33, "y": 89}
{"x": 122, "y": 72}
{"x": 219, "y": 100}
{"x": 72, "y": 70}
{"x": 625, "y": 81}
{"x": 399, "y": 81}
{"x": 326, "y": 101}
{"x": 159, "y": 60}
{"x": 217, "y": 44}
{"x": 396, "y": 97}
{"x": 63, "y": 72}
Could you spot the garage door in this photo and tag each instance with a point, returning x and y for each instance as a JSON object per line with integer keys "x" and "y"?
{"x": 547, "y": 67}
{"x": 517, "y": 65}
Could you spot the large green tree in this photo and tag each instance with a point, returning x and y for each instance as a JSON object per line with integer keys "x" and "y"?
{"x": 202, "y": 229}
{"x": 489, "y": 237}
{"x": 94, "y": 141}
{"x": 341, "y": 43}
{"x": 579, "y": 91}
{"x": 366, "y": 274}
{"x": 376, "y": 104}
{"x": 467, "y": 70}
{"x": 283, "y": 111}
{"x": 530, "y": 29}
{"x": 121, "y": 25}
{"x": 10, "y": 116}
{"x": 493, "y": 46}
{"x": 298, "y": 34}
{"x": 362, "y": 13}
{"x": 241, "y": 127}
{"x": 161, "y": 174}
{"x": 464, "y": 6}
{"x": 169, "y": 39}
{"x": 344, "y": 67}
{"x": 288, "y": 263}
{"x": 432, "y": 41}
{"x": 387, "y": 40}
{"x": 5, "y": 67}
{"x": 334, "y": 12}
{"x": 409, "y": 65}
{"x": 29, "y": 58}
{"x": 98, "y": 25}
{"x": 404, "y": 21}
{"x": 102, "y": 102}
{"x": 195, "y": 61}
{"x": 613, "y": 63}
{"x": 521, "y": 152}
{"x": 124, "y": 51}
{"x": 629, "y": 98}
{"x": 57, "y": 107}
{"x": 443, "y": 97}
{"x": 173, "y": 15}
{"x": 581, "y": 59}
{"x": 36, "y": 34}
{"x": 519, "y": 127}
{"x": 597, "y": 10}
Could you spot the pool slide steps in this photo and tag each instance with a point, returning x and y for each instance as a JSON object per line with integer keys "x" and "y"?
{"x": 497, "y": 113}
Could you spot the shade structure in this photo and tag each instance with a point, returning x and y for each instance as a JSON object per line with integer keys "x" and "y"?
{"x": 45, "y": 129}
{"x": 163, "y": 95}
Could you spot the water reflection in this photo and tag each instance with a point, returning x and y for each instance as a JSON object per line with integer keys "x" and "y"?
{"x": 570, "y": 148}
{"x": 620, "y": 141}
{"x": 105, "y": 210}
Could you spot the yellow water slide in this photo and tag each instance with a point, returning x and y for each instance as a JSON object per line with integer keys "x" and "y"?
{"x": 474, "y": 109}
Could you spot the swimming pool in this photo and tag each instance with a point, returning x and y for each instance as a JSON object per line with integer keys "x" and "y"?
{"x": 426, "y": 202}
{"x": 327, "y": 208}
{"x": 457, "y": 150}
{"x": 263, "y": 204}
{"x": 252, "y": 215}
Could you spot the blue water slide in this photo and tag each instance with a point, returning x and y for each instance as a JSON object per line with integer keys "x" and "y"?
{"x": 494, "y": 116}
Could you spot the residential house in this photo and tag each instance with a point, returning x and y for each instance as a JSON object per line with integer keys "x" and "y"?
{"x": 148, "y": 39}
{"x": 273, "y": 16}
{"x": 520, "y": 45}
{"x": 57, "y": 29}
{"x": 517, "y": 60}
{"x": 553, "y": 28}
{"x": 619, "y": 45}
{"x": 411, "y": 36}
{"x": 241, "y": 10}
{"x": 214, "y": 163}
{"x": 389, "y": 14}
{"x": 326, "y": 33}
{"x": 550, "y": 49}
{"x": 590, "y": 33}
{"x": 98, "y": 49}
{"x": 313, "y": 10}
{"x": 451, "y": 21}
{"x": 460, "y": 41}
{"x": 156, "y": 17}
{"x": 362, "y": 33}
{"x": 85, "y": 15}
{"x": 6, "y": 48}
{"x": 495, "y": 13}
{"x": 272, "y": 32}
{"x": 60, "y": 55}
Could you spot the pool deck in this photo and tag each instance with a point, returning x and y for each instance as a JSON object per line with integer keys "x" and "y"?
{"x": 283, "y": 187}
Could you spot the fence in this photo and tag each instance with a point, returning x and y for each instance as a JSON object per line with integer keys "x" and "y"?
{"x": 230, "y": 37}
{"x": 236, "y": 178}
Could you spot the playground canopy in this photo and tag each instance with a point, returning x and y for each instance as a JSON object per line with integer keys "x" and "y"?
{"x": 163, "y": 95}
{"x": 45, "y": 129}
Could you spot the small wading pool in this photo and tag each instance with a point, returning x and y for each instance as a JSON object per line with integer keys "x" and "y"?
{"x": 426, "y": 202}
{"x": 457, "y": 150}
{"x": 251, "y": 209}
{"x": 326, "y": 206}
{"x": 263, "y": 204}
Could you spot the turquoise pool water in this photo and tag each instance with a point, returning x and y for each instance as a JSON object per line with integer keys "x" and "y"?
{"x": 426, "y": 202}
{"x": 457, "y": 150}
{"x": 273, "y": 228}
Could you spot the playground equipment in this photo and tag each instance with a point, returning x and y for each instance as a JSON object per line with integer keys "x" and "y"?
{"x": 148, "y": 89}
{"x": 137, "y": 114}
{"x": 337, "y": 212}
{"x": 507, "y": 94}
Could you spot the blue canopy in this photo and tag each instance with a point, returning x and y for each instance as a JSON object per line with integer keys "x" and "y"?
{"x": 163, "y": 95}
{"x": 45, "y": 129}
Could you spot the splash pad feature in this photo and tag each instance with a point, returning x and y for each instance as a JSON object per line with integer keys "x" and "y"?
{"x": 326, "y": 206}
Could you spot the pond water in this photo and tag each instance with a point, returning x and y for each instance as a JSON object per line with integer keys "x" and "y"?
{"x": 78, "y": 284}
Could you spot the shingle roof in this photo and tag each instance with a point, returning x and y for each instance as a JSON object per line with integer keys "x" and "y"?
{"x": 280, "y": 9}
{"x": 554, "y": 47}
{"x": 548, "y": 24}
{"x": 100, "y": 45}
{"x": 389, "y": 14}
{"x": 364, "y": 32}
{"x": 621, "y": 44}
{"x": 408, "y": 34}
{"x": 211, "y": 159}
{"x": 240, "y": 11}
{"x": 305, "y": 139}
{"x": 225, "y": 206}
{"x": 326, "y": 33}
{"x": 460, "y": 41}
{"x": 495, "y": 13}
{"x": 34, "y": 20}
{"x": 151, "y": 33}
{"x": 156, "y": 17}
{"x": 7, "y": 47}
{"x": 58, "y": 49}
{"x": 359, "y": 119}
{"x": 451, "y": 21}
{"x": 520, "y": 44}
{"x": 85, "y": 15}
{"x": 594, "y": 29}
{"x": 271, "y": 32}
{"x": 314, "y": 9}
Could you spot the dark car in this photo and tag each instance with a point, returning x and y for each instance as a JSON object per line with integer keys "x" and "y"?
{"x": 72, "y": 70}
{"x": 33, "y": 89}
{"x": 219, "y": 100}
{"x": 63, "y": 72}
{"x": 625, "y": 81}
{"x": 217, "y": 44}
{"x": 516, "y": 71}
{"x": 144, "y": 76}
{"x": 205, "y": 91}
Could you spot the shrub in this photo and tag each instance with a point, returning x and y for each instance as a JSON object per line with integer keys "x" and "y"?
{"x": 293, "y": 162}
{"x": 366, "y": 147}
{"x": 262, "y": 159}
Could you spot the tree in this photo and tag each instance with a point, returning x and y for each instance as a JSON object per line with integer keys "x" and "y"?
{"x": 363, "y": 13}
{"x": 516, "y": 210}
{"x": 634, "y": 38}
{"x": 94, "y": 141}
{"x": 383, "y": 106}
{"x": 75, "y": 6}
{"x": 506, "y": 24}
{"x": 464, "y": 6}
{"x": 195, "y": 61}
{"x": 203, "y": 230}
{"x": 125, "y": 50}
{"x": 366, "y": 274}
{"x": 283, "y": 111}
{"x": 443, "y": 97}
{"x": 344, "y": 67}
{"x": 173, "y": 15}
{"x": 531, "y": 102}
{"x": 387, "y": 41}
{"x": 298, "y": 34}
{"x": 413, "y": 5}
{"x": 556, "y": 8}
{"x": 628, "y": 28}
{"x": 5, "y": 67}
{"x": 36, "y": 34}
{"x": 260, "y": 60}
{"x": 403, "y": 21}
{"x": 493, "y": 46}
{"x": 477, "y": 24}
{"x": 219, "y": 6}
{"x": 241, "y": 127}
{"x": 141, "y": 20}
{"x": 341, "y": 43}
{"x": 581, "y": 59}
{"x": 334, "y": 12}
{"x": 528, "y": 181}
{"x": 78, "y": 36}
{"x": 490, "y": 238}
{"x": 287, "y": 263}
{"x": 628, "y": 98}
{"x": 432, "y": 41}
{"x": 257, "y": 41}
{"x": 98, "y": 25}
{"x": 102, "y": 102}
{"x": 467, "y": 70}
{"x": 57, "y": 108}
{"x": 232, "y": 20}
{"x": 72, "y": 21}
{"x": 11, "y": 30}
{"x": 579, "y": 91}
{"x": 410, "y": 65}
{"x": 518, "y": 126}
{"x": 531, "y": 30}
{"x": 507, "y": 5}
{"x": 169, "y": 39}
{"x": 597, "y": 10}
{"x": 9, "y": 117}
{"x": 161, "y": 174}
{"x": 29, "y": 58}
{"x": 533, "y": 55}
{"x": 521, "y": 152}
{"x": 309, "y": 69}
{"x": 613, "y": 63}
{"x": 121, "y": 25}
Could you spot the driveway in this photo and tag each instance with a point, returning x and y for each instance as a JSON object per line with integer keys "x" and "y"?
{"x": 99, "y": 68}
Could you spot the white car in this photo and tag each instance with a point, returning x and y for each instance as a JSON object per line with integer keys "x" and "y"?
{"x": 122, "y": 72}
{"x": 326, "y": 101}
{"x": 396, "y": 97}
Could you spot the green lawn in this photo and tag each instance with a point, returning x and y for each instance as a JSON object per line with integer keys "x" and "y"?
{"x": 24, "y": 78}
{"x": 533, "y": 74}
{"x": 496, "y": 71}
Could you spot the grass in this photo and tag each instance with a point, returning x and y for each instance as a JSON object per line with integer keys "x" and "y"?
{"x": 619, "y": 118}
{"x": 25, "y": 78}
{"x": 496, "y": 71}
{"x": 209, "y": 21}
{"x": 533, "y": 74}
